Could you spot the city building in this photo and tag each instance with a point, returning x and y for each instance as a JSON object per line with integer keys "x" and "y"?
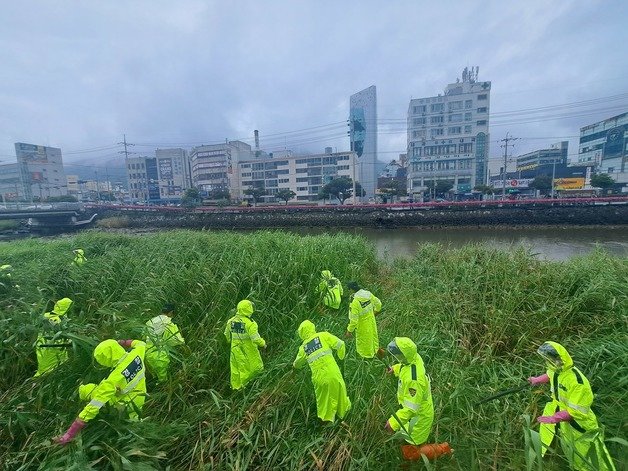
{"x": 136, "y": 175}
{"x": 557, "y": 153}
{"x": 363, "y": 136}
{"x": 604, "y": 146}
{"x": 212, "y": 167}
{"x": 41, "y": 171}
{"x": 566, "y": 179}
{"x": 303, "y": 174}
{"x": 448, "y": 136}
{"x": 11, "y": 188}
{"x": 173, "y": 173}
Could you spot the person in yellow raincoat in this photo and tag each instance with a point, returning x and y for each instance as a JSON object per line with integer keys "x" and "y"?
{"x": 162, "y": 334}
{"x": 79, "y": 257}
{"x": 414, "y": 394}
{"x": 362, "y": 310}
{"x": 329, "y": 385}
{"x": 241, "y": 332}
{"x": 126, "y": 384}
{"x": 330, "y": 289}
{"x": 582, "y": 439}
{"x": 51, "y": 348}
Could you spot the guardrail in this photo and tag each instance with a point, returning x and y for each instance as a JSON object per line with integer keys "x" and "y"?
{"x": 390, "y": 206}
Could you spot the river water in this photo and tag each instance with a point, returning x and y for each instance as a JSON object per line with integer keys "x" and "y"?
{"x": 549, "y": 243}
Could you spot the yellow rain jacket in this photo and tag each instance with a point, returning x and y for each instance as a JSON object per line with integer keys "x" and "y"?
{"x": 413, "y": 394}
{"x": 161, "y": 335}
{"x": 126, "y": 384}
{"x": 79, "y": 257}
{"x": 329, "y": 385}
{"x": 245, "y": 360}
{"x": 362, "y": 310}
{"x": 571, "y": 391}
{"x": 331, "y": 290}
{"x": 51, "y": 349}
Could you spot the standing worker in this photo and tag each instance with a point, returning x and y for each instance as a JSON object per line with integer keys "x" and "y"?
{"x": 79, "y": 257}
{"x": 51, "y": 348}
{"x": 161, "y": 335}
{"x": 581, "y": 438}
{"x": 414, "y": 392}
{"x": 362, "y": 310}
{"x": 330, "y": 289}
{"x": 126, "y": 384}
{"x": 329, "y": 385}
{"x": 241, "y": 332}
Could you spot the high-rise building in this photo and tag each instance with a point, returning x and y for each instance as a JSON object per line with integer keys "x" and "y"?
{"x": 604, "y": 146}
{"x": 212, "y": 166}
{"x": 448, "y": 138}
{"x": 303, "y": 174}
{"x": 363, "y": 137}
{"x": 41, "y": 171}
{"x": 173, "y": 173}
{"x": 555, "y": 154}
{"x": 138, "y": 182}
{"x": 11, "y": 188}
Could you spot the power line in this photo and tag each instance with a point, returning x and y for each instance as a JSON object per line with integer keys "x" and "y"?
{"x": 505, "y": 146}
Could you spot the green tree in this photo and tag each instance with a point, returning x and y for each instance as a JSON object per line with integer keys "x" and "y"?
{"x": 285, "y": 194}
{"x": 342, "y": 188}
{"x": 603, "y": 181}
{"x": 62, "y": 199}
{"x": 543, "y": 183}
{"x": 393, "y": 187}
{"x": 323, "y": 194}
{"x": 191, "y": 197}
{"x": 485, "y": 189}
{"x": 256, "y": 193}
{"x": 220, "y": 194}
{"x": 443, "y": 186}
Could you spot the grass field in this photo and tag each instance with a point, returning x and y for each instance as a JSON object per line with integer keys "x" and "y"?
{"x": 477, "y": 316}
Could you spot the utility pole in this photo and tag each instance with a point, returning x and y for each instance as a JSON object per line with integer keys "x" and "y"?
{"x": 505, "y": 146}
{"x": 126, "y": 145}
{"x": 553, "y": 176}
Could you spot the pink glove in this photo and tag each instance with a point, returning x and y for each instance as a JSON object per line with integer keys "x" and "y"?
{"x": 125, "y": 343}
{"x": 536, "y": 380}
{"x": 68, "y": 436}
{"x": 560, "y": 416}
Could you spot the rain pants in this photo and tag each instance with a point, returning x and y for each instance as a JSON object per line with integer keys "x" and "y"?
{"x": 413, "y": 394}
{"x": 52, "y": 350}
{"x": 362, "y": 310}
{"x": 330, "y": 289}
{"x": 329, "y": 385}
{"x": 126, "y": 384}
{"x": 161, "y": 335}
{"x": 245, "y": 360}
{"x": 571, "y": 391}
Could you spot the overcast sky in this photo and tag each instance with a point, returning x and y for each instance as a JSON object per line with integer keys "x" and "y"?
{"x": 77, "y": 75}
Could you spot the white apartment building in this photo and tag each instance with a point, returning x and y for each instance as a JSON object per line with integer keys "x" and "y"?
{"x": 604, "y": 146}
{"x": 303, "y": 174}
{"x": 136, "y": 174}
{"x": 448, "y": 136}
{"x": 41, "y": 171}
{"x": 213, "y": 167}
{"x": 173, "y": 173}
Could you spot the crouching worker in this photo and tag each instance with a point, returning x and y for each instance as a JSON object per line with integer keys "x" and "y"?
{"x": 125, "y": 384}
{"x": 162, "y": 335}
{"x": 570, "y": 411}
{"x": 329, "y": 385}
{"x": 52, "y": 347}
{"x": 413, "y": 393}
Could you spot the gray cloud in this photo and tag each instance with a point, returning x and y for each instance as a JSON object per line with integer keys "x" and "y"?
{"x": 80, "y": 74}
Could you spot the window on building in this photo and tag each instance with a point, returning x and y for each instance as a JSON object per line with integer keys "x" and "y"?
{"x": 482, "y": 109}
{"x": 466, "y": 148}
{"x": 245, "y": 175}
{"x": 437, "y": 132}
{"x": 302, "y": 170}
{"x": 419, "y": 109}
{"x": 301, "y": 188}
{"x": 437, "y": 119}
{"x": 302, "y": 179}
{"x": 454, "y": 130}
{"x": 467, "y": 129}
{"x": 467, "y": 116}
{"x": 418, "y": 134}
{"x": 455, "y": 105}
{"x": 284, "y": 180}
{"x": 436, "y": 107}
{"x": 418, "y": 121}
{"x": 468, "y": 104}
{"x": 483, "y": 96}
{"x": 455, "y": 118}
{"x": 481, "y": 122}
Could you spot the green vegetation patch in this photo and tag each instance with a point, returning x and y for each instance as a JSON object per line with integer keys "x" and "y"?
{"x": 477, "y": 316}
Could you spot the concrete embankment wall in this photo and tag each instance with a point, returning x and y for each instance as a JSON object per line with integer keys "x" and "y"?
{"x": 377, "y": 217}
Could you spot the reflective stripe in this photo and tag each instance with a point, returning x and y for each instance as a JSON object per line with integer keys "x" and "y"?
{"x": 339, "y": 344}
{"x": 410, "y": 405}
{"x": 96, "y": 403}
{"x": 318, "y": 355}
{"x": 584, "y": 410}
{"x": 255, "y": 337}
{"x": 133, "y": 383}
